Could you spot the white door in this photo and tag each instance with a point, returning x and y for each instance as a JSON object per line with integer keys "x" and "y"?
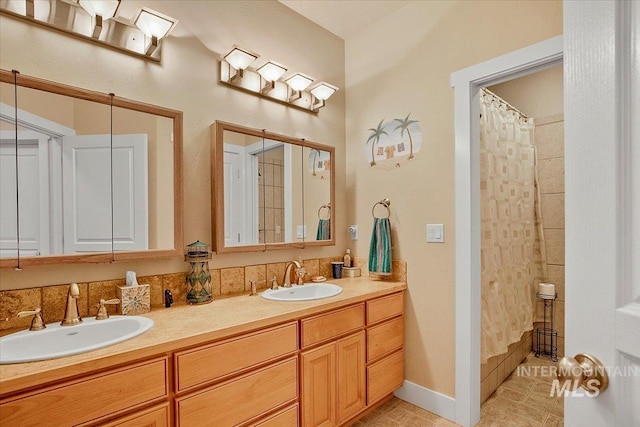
{"x": 34, "y": 202}
{"x": 234, "y": 196}
{"x": 87, "y": 197}
{"x": 602, "y": 146}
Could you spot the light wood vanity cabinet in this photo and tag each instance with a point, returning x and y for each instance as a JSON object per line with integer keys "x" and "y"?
{"x": 242, "y": 399}
{"x": 385, "y": 342}
{"x": 238, "y": 387}
{"x": 87, "y": 400}
{"x": 351, "y": 358}
{"x": 320, "y": 370}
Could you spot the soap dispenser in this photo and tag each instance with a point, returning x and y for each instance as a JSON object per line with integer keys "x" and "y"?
{"x": 347, "y": 259}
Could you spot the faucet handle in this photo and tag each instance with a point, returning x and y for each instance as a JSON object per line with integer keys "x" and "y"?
{"x": 37, "y": 323}
{"x": 274, "y": 284}
{"x": 252, "y": 284}
{"x": 301, "y": 273}
{"x": 102, "y": 310}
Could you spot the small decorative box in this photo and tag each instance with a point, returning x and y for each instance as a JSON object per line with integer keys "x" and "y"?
{"x": 134, "y": 299}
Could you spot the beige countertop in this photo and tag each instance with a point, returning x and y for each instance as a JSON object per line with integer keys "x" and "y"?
{"x": 182, "y": 326}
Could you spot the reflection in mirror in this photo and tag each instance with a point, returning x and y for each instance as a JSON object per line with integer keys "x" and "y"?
{"x": 64, "y": 178}
{"x": 142, "y": 173}
{"x": 69, "y": 211}
{"x": 8, "y": 190}
{"x": 259, "y": 179}
{"x": 317, "y": 190}
{"x": 261, "y": 198}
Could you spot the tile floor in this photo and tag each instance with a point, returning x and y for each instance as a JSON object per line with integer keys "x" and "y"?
{"x": 398, "y": 413}
{"x": 522, "y": 400}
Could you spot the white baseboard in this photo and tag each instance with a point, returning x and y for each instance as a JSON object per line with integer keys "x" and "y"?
{"x": 438, "y": 403}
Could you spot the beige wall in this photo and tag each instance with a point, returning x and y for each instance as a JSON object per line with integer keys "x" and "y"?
{"x": 537, "y": 95}
{"x": 402, "y": 64}
{"x": 186, "y": 80}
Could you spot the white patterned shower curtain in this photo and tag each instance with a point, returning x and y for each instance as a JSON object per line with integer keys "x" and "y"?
{"x": 511, "y": 256}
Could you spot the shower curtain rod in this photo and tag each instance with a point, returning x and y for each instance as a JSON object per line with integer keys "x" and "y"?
{"x": 506, "y": 103}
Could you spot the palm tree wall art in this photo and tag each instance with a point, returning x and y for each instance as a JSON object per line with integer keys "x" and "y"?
{"x": 393, "y": 143}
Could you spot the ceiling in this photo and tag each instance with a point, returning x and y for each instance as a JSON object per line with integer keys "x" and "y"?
{"x": 344, "y": 17}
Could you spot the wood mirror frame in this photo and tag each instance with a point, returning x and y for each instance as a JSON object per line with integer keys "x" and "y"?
{"x": 21, "y": 80}
{"x": 217, "y": 181}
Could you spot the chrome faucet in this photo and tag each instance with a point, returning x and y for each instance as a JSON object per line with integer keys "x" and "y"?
{"x": 71, "y": 312}
{"x": 286, "y": 281}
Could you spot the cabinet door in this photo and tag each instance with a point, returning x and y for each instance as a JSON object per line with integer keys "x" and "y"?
{"x": 351, "y": 376}
{"x": 318, "y": 373}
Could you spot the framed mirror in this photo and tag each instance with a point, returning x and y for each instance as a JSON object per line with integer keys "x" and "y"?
{"x": 87, "y": 175}
{"x": 265, "y": 195}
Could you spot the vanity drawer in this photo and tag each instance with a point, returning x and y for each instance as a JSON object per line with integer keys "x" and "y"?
{"x": 203, "y": 364}
{"x": 385, "y": 308}
{"x": 385, "y": 338}
{"x": 90, "y": 398}
{"x": 385, "y": 376}
{"x": 287, "y": 417}
{"x": 330, "y": 325}
{"x": 241, "y": 399}
{"x": 158, "y": 416}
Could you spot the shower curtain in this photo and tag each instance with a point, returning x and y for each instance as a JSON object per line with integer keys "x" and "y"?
{"x": 511, "y": 257}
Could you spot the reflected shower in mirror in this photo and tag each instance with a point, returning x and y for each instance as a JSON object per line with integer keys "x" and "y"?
{"x": 317, "y": 190}
{"x": 259, "y": 184}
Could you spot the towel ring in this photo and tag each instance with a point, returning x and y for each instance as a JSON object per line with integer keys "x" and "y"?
{"x": 328, "y": 207}
{"x": 386, "y": 203}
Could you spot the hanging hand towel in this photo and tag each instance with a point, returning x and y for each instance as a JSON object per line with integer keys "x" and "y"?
{"x": 324, "y": 229}
{"x": 380, "y": 247}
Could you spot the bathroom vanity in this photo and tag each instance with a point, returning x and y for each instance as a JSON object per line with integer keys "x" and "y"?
{"x": 237, "y": 361}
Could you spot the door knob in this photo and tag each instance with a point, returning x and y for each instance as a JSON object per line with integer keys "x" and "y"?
{"x": 583, "y": 371}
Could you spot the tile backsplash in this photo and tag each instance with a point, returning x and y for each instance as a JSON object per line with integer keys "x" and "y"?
{"x": 224, "y": 281}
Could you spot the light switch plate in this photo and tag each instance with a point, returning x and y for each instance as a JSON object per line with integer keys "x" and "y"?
{"x": 435, "y": 233}
{"x": 301, "y": 231}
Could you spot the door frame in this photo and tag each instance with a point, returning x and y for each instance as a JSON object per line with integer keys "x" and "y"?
{"x": 466, "y": 84}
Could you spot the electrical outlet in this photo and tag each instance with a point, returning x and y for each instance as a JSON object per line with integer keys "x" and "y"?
{"x": 353, "y": 231}
{"x": 301, "y": 231}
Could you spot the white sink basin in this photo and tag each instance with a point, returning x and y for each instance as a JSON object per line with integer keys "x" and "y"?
{"x": 303, "y": 293}
{"x": 58, "y": 341}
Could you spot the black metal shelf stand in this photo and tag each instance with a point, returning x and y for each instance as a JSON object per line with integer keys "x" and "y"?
{"x": 547, "y": 336}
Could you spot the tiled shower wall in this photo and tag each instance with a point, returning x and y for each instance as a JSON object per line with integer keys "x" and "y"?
{"x": 549, "y": 141}
{"x": 498, "y": 368}
{"x": 224, "y": 282}
{"x": 271, "y": 177}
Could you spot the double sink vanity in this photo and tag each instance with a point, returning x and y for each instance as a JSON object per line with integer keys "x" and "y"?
{"x": 313, "y": 355}
{"x": 237, "y": 361}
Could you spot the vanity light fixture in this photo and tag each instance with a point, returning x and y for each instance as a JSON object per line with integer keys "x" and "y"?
{"x": 239, "y": 59}
{"x": 270, "y": 80}
{"x": 30, "y": 11}
{"x": 270, "y": 72}
{"x": 91, "y": 20}
{"x": 321, "y": 92}
{"x": 154, "y": 25}
{"x": 100, "y": 10}
{"x": 298, "y": 82}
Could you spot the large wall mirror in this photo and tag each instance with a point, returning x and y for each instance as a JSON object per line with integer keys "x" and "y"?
{"x": 86, "y": 176}
{"x": 269, "y": 191}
